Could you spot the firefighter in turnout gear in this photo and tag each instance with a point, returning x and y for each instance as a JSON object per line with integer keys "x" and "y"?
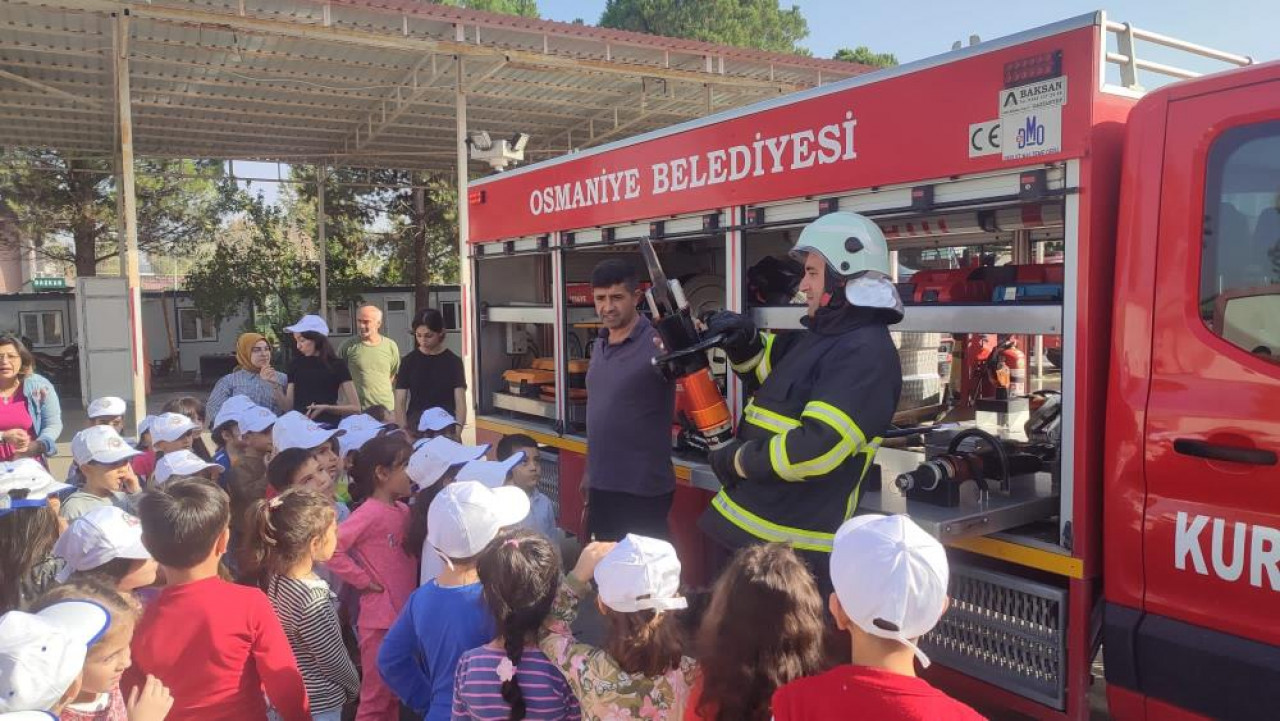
{"x": 820, "y": 398}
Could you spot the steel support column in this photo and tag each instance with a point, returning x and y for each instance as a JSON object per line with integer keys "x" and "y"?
{"x": 128, "y": 207}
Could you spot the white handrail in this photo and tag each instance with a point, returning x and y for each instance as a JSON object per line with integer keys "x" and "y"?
{"x": 1126, "y": 40}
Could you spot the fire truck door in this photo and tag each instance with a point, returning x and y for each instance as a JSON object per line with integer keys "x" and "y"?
{"x": 1209, "y": 641}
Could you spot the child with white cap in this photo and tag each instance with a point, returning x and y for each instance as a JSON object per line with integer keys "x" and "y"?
{"x": 106, "y": 544}
{"x": 172, "y": 432}
{"x": 642, "y": 668}
{"x": 433, "y": 466}
{"x": 890, "y": 579}
{"x": 103, "y": 457}
{"x": 447, "y": 616}
{"x": 439, "y": 422}
{"x": 42, "y": 655}
{"x": 107, "y": 411}
{"x": 185, "y": 464}
{"x": 104, "y": 411}
{"x": 29, "y": 527}
{"x": 100, "y": 698}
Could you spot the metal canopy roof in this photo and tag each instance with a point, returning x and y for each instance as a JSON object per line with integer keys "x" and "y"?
{"x": 366, "y": 83}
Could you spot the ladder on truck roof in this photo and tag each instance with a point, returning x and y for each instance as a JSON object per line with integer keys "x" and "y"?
{"x": 1126, "y": 55}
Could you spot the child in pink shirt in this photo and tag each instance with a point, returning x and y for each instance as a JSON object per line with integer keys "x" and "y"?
{"x": 372, "y": 559}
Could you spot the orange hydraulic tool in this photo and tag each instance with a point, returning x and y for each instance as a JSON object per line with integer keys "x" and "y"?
{"x": 686, "y": 358}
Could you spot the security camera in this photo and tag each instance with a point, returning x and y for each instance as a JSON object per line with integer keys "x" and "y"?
{"x": 498, "y": 154}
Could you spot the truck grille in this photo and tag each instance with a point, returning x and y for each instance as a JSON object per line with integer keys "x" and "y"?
{"x": 1005, "y": 630}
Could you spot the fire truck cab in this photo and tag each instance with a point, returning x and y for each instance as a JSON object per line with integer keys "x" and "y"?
{"x": 1034, "y": 197}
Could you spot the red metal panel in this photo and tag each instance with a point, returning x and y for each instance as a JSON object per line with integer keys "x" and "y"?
{"x": 878, "y": 133}
{"x": 1203, "y": 388}
{"x": 1123, "y": 472}
{"x": 572, "y": 467}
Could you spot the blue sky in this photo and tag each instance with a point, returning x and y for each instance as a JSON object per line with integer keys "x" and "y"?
{"x": 914, "y": 30}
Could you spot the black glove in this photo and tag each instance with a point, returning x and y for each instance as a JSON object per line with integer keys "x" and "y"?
{"x": 741, "y": 340}
{"x": 723, "y": 466}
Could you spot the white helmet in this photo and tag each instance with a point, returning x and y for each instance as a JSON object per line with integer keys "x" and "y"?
{"x": 855, "y": 250}
{"x": 851, "y": 243}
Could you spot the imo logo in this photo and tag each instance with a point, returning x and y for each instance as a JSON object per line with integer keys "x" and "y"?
{"x": 1031, "y": 133}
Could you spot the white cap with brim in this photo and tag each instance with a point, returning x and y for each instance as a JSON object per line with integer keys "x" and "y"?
{"x": 640, "y": 574}
{"x": 890, "y": 577}
{"x": 235, "y": 404}
{"x": 144, "y": 425}
{"x": 180, "y": 463}
{"x": 491, "y": 473}
{"x": 436, "y": 419}
{"x": 360, "y": 429}
{"x": 432, "y": 458}
{"x": 169, "y": 427}
{"x": 29, "y": 474}
{"x": 309, "y": 323}
{"x": 255, "y": 420}
{"x": 294, "y": 430}
{"x": 106, "y": 407}
{"x": 101, "y": 535}
{"x": 101, "y": 444}
{"x": 466, "y": 516}
{"x": 42, "y": 654}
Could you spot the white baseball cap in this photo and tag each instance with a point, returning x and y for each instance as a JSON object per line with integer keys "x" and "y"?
{"x": 180, "y": 463}
{"x": 313, "y": 323}
{"x": 29, "y": 474}
{"x": 436, "y": 419}
{"x": 640, "y": 574}
{"x": 236, "y": 404}
{"x": 255, "y": 419}
{"x": 890, "y": 577}
{"x": 359, "y": 430}
{"x": 169, "y": 427}
{"x": 431, "y": 458}
{"x": 491, "y": 473}
{"x": 102, "y": 444}
{"x": 144, "y": 425}
{"x": 227, "y": 415}
{"x": 465, "y": 516}
{"x": 106, "y": 406}
{"x": 42, "y": 654}
{"x": 294, "y": 430}
{"x": 101, "y": 535}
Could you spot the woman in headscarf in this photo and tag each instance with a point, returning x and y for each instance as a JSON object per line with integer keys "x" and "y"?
{"x": 254, "y": 377}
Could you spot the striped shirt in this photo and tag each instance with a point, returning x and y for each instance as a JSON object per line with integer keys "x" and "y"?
{"x": 306, "y": 610}
{"x": 477, "y": 690}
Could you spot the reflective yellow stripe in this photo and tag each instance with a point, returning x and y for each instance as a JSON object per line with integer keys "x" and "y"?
{"x": 870, "y": 452}
{"x": 749, "y": 365}
{"x": 767, "y": 419}
{"x": 779, "y": 461}
{"x": 768, "y": 531}
{"x": 766, "y": 364}
{"x": 837, "y": 419}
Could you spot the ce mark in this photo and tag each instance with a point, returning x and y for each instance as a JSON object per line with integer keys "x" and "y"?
{"x": 984, "y": 139}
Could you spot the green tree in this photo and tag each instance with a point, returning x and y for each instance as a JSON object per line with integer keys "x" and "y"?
{"x": 57, "y": 199}
{"x": 523, "y": 8}
{"x": 863, "y": 54}
{"x": 760, "y": 24}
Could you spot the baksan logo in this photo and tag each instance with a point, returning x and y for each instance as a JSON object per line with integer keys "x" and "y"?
{"x": 1234, "y": 548}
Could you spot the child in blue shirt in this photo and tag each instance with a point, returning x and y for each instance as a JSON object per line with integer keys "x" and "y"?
{"x": 447, "y": 616}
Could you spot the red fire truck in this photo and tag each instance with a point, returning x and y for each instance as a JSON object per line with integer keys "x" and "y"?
{"x": 1136, "y": 509}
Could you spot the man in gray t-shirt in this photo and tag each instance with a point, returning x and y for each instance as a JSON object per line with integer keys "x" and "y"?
{"x": 630, "y": 482}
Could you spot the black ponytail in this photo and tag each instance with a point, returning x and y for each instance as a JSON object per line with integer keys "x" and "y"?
{"x": 520, "y": 575}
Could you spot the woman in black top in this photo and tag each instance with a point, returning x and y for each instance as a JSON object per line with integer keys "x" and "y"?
{"x": 319, "y": 383}
{"x": 431, "y": 375}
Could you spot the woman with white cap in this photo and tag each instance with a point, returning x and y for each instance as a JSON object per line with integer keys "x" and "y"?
{"x": 642, "y": 671}
{"x": 320, "y": 385}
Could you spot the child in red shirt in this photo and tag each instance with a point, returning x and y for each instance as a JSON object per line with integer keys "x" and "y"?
{"x": 216, "y": 645}
{"x": 890, "y": 581}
